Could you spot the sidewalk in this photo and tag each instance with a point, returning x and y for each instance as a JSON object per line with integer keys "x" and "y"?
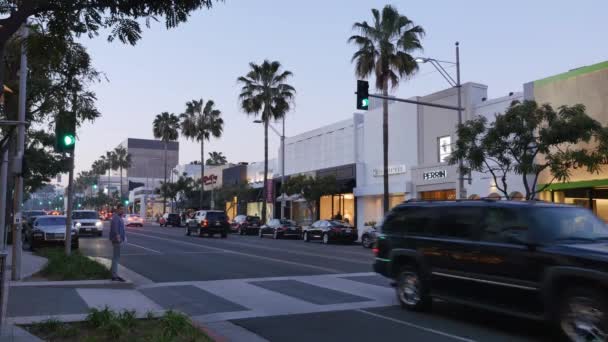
{"x": 30, "y": 263}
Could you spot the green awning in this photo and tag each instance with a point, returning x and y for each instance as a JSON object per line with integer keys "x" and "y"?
{"x": 576, "y": 185}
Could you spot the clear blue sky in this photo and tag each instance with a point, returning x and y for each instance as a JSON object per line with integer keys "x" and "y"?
{"x": 503, "y": 44}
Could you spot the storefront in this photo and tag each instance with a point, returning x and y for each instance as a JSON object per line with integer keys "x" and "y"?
{"x": 437, "y": 182}
{"x": 591, "y": 194}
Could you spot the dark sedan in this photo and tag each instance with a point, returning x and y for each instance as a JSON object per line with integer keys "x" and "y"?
{"x": 281, "y": 228}
{"x": 251, "y": 225}
{"x": 330, "y": 231}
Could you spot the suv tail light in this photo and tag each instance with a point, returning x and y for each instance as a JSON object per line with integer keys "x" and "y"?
{"x": 376, "y": 250}
{"x": 205, "y": 223}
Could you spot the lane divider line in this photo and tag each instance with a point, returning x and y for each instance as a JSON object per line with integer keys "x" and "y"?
{"x": 146, "y": 248}
{"x": 413, "y": 325}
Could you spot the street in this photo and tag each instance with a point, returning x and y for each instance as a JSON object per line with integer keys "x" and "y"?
{"x": 291, "y": 290}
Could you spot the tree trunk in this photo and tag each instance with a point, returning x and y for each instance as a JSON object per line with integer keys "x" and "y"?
{"x": 265, "y": 192}
{"x": 165, "y": 183}
{"x": 68, "y": 211}
{"x": 385, "y": 147}
{"x": 202, "y": 195}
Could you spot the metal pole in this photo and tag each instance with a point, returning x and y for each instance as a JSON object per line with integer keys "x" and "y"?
{"x": 283, "y": 171}
{"x": 3, "y": 183}
{"x": 16, "y": 269}
{"x": 462, "y": 191}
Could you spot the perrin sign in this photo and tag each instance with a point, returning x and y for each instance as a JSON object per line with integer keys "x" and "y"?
{"x": 435, "y": 174}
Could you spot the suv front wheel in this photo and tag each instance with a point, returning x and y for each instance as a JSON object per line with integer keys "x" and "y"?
{"x": 583, "y": 315}
{"x": 412, "y": 292}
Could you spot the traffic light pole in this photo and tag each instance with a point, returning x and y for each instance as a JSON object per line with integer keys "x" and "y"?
{"x": 17, "y": 227}
{"x": 68, "y": 211}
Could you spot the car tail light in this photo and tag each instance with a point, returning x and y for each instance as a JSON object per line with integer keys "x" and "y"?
{"x": 375, "y": 250}
{"x": 205, "y": 223}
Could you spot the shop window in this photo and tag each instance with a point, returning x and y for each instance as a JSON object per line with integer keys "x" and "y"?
{"x": 332, "y": 205}
{"x": 444, "y": 145}
{"x": 439, "y": 195}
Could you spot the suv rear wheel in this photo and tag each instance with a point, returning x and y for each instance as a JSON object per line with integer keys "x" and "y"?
{"x": 583, "y": 315}
{"x": 411, "y": 290}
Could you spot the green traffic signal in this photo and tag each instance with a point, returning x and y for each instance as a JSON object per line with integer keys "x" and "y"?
{"x": 69, "y": 140}
{"x": 126, "y": 202}
{"x": 365, "y": 103}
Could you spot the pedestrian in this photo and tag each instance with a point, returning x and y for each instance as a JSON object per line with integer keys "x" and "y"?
{"x": 338, "y": 216}
{"x": 117, "y": 237}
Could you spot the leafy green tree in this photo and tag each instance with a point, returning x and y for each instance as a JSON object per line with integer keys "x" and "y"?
{"x": 265, "y": 93}
{"x": 384, "y": 49}
{"x": 200, "y": 122}
{"x": 123, "y": 161}
{"x": 529, "y": 140}
{"x": 168, "y": 190}
{"x": 216, "y": 159}
{"x": 311, "y": 189}
{"x": 165, "y": 127}
{"x": 121, "y": 19}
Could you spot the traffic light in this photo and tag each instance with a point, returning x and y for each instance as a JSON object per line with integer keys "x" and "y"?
{"x": 65, "y": 132}
{"x": 94, "y": 186}
{"x": 362, "y": 95}
{"x": 126, "y": 202}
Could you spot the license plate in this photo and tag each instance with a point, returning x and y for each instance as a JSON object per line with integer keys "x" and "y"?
{"x": 348, "y": 230}
{"x": 217, "y": 224}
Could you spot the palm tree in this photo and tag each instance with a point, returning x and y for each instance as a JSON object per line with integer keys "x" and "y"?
{"x": 165, "y": 128}
{"x": 201, "y": 122}
{"x": 264, "y": 93}
{"x": 384, "y": 50}
{"x": 123, "y": 161}
{"x": 216, "y": 158}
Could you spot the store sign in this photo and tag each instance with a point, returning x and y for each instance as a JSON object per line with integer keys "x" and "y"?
{"x": 392, "y": 170}
{"x": 209, "y": 180}
{"x": 435, "y": 174}
{"x": 269, "y": 191}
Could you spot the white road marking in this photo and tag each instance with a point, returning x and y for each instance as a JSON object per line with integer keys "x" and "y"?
{"x": 325, "y": 269}
{"x": 146, "y": 248}
{"x": 434, "y": 331}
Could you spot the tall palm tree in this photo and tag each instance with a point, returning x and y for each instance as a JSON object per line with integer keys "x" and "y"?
{"x": 200, "y": 122}
{"x": 165, "y": 127}
{"x": 264, "y": 93}
{"x": 123, "y": 161}
{"x": 216, "y": 158}
{"x": 384, "y": 50}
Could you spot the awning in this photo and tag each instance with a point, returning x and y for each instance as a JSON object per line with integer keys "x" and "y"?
{"x": 594, "y": 183}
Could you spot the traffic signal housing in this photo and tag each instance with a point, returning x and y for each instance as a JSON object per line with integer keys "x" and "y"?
{"x": 65, "y": 132}
{"x": 362, "y": 95}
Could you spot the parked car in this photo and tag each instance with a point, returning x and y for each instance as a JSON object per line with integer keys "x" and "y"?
{"x": 170, "y": 219}
{"x": 237, "y": 222}
{"x": 208, "y": 222}
{"x": 532, "y": 259}
{"x": 330, "y": 231}
{"x": 133, "y": 220}
{"x": 251, "y": 225}
{"x": 48, "y": 230}
{"x": 281, "y": 228}
{"x": 87, "y": 222}
{"x": 369, "y": 237}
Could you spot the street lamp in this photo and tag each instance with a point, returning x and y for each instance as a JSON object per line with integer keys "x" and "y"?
{"x": 454, "y": 83}
{"x": 282, "y": 136}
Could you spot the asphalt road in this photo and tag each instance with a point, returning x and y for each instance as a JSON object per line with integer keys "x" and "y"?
{"x": 291, "y": 290}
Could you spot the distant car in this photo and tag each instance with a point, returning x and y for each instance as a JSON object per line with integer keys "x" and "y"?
{"x": 87, "y": 222}
{"x": 173, "y": 220}
{"x": 251, "y": 225}
{"x": 48, "y": 230}
{"x": 237, "y": 222}
{"x": 208, "y": 222}
{"x": 330, "y": 231}
{"x": 369, "y": 237}
{"x": 133, "y": 220}
{"x": 281, "y": 228}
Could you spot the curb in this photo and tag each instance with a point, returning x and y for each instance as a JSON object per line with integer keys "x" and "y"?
{"x": 106, "y": 284}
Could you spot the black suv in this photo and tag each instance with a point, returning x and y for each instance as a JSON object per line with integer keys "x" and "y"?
{"x": 533, "y": 259}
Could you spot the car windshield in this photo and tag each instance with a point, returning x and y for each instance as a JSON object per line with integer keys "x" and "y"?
{"x": 85, "y": 215}
{"x": 287, "y": 222}
{"x": 253, "y": 219}
{"x": 51, "y": 221}
{"x": 173, "y": 215}
{"x": 336, "y": 223}
{"x": 569, "y": 225}
{"x": 211, "y": 215}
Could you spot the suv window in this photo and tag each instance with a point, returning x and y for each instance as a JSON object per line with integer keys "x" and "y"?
{"x": 504, "y": 225}
{"x": 215, "y": 215}
{"x": 576, "y": 225}
{"x": 458, "y": 222}
{"x": 410, "y": 220}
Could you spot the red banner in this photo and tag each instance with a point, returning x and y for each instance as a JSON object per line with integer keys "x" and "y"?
{"x": 269, "y": 191}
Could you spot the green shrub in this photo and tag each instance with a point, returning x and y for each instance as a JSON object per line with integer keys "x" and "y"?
{"x": 73, "y": 267}
{"x": 49, "y": 326}
{"x": 98, "y": 318}
{"x": 173, "y": 323}
{"x": 127, "y": 318}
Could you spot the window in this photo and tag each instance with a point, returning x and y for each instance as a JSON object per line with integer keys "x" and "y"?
{"x": 458, "y": 222}
{"x": 413, "y": 220}
{"x": 445, "y": 148}
{"x": 568, "y": 225}
{"x": 503, "y": 225}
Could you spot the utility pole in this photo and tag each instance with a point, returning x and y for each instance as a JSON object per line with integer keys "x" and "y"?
{"x": 283, "y": 171}
{"x": 68, "y": 211}
{"x": 16, "y": 267}
{"x": 462, "y": 191}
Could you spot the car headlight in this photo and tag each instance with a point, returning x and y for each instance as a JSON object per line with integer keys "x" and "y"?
{"x": 98, "y": 224}
{"x": 78, "y": 224}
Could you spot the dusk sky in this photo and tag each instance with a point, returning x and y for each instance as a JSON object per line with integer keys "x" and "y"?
{"x": 503, "y": 45}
